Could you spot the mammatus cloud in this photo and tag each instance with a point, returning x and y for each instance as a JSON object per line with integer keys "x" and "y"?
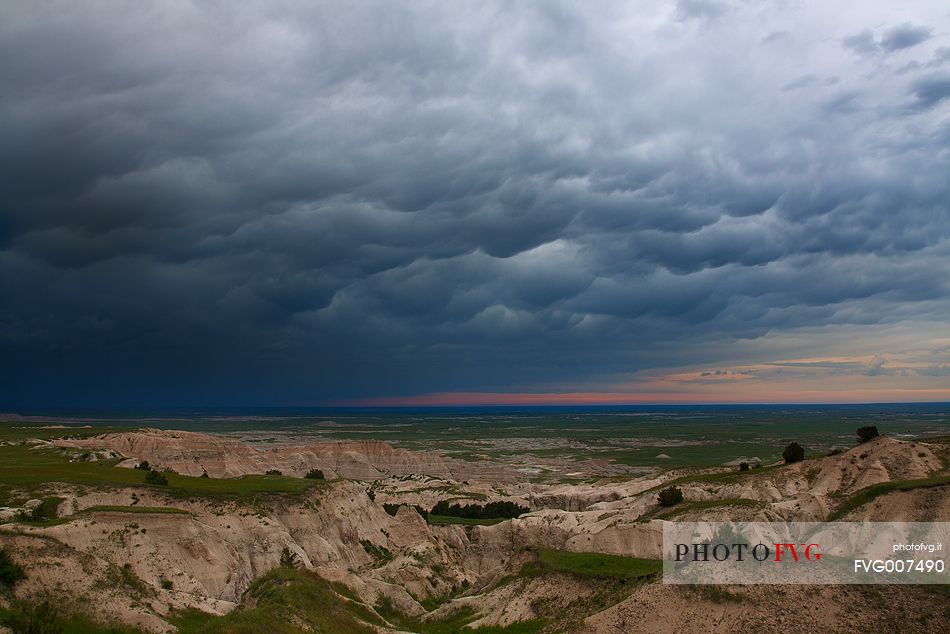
{"x": 305, "y": 203}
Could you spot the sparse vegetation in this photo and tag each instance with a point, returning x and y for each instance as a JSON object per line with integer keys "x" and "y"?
{"x": 273, "y": 472}
{"x": 315, "y": 474}
{"x": 793, "y": 453}
{"x": 867, "y": 432}
{"x": 670, "y": 496}
{"x": 716, "y": 594}
{"x": 380, "y": 554}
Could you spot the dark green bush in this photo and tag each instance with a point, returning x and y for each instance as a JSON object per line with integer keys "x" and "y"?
{"x": 273, "y": 472}
{"x": 743, "y": 466}
{"x": 154, "y": 477}
{"x": 315, "y": 474}
{"x": 490, "y": 510}
{"x": 144, "y": 466}
{"x": 288, "y": 558}
{"x": 867, "y": 432}
{"x": 10, "y": 572}
{"x": 793, "y": 453}
{"x": 670, "y": 496}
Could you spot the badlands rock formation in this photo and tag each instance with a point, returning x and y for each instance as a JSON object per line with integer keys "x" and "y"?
{"x": 191, "y": 453}
{"x": 211, "y": 550}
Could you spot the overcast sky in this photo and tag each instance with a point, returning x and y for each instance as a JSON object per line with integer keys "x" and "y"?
{"x": 292, "y": 203}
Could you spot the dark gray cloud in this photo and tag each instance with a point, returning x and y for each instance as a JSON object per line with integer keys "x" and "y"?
{"x": 298, "y": 202}
{"x": 905, "y": 36}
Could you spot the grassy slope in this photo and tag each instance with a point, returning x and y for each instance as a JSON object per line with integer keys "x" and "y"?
{"x": 868, "y": 494}
{"x": 29, "y": 470}
{"x": 596, "y": 565}
{"x": 281, "y": 602}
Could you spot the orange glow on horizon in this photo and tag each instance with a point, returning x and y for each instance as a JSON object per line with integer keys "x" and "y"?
{"x": 448, "y": 399}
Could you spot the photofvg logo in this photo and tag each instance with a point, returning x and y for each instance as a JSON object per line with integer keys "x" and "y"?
{"x": 804, "y": 552}
{"x": 777, "y": 553}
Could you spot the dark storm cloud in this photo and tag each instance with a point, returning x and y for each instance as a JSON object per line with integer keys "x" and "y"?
{"x": 300, "y": 202}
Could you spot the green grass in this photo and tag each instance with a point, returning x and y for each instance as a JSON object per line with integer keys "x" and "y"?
{"x": 30, "y": 470}
{"x": 698, "y": 505}
{"x": 106, "y": 508}
{"x": 44, "y": 618}
{"x": 867, "y": 494}
{"x": 724, "y": 477}
{"x": 596, "y": 565}
{"x": 441, "y": 520}
{"x": 278, "y": 603}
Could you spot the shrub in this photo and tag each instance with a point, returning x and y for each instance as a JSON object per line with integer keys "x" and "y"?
{"x": 204, "y": 473}
{"x": 836, "y": 451}
{"x": 793, "y": 453}
{"x": 867, "y": 432}
{"x": 144, "y": 466}
{"x": 315, "y": 474}
{"x": 154, "y": 477}
{"x": 166, "y": 583}
{"x": 273, "y": 472}
{"x": 288, "y": 558}
{"x": 670, "y": 496}
{"x": 392, "y": 509}
{"x": 743, "y": 466}
{"x": 10, "y": 572}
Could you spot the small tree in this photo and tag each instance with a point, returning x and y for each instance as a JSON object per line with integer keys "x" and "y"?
{"x": 315, "y": 474}
{"x": 670, "y": 496}
{"x": 10, "y": 572}
{"x": 288, "y": 558}
{"x": 793, "y": 453}
{"x": 155, "y": 477}
{"x": 867, "y": 432}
